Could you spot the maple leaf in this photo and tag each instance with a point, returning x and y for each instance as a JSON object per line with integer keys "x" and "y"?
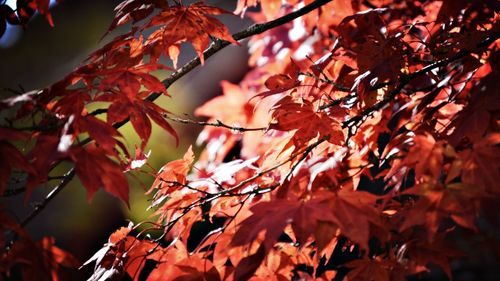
{"x": 438, "y": 204}
{"x": 42, "y": 157}
{"x": 96, "y": 170}
{"x": 461, "y": 203}
{"x": 72, "y": 102}
{"x": 174, "y": 171}
{"x": 138, "y": 251}
{"x": 282, "y": 210}
{"x": 354, "y": 211}
{"x": 413, "y": 81}
{"x": 452, "y": 8}
{"x": 290, "y": 115}
{"x": 140, "y": 121}
{"x": 473, "y": 121}
{"x": 12, "y": 157}
{"x": 178, "y": 265}
{"x": 124, "y": 51}
{"x": 134, "y": 10}
{"x": 426, "y": 155}
{"x": 227, "y": 173}
{"x": 248, "y": 265}
{"x": 279, "y": 83}
{"x": 481, "y": 164}
{"x": 379, "y": 55}
{"x": 103, "y": 133}
{"x": 40, "y": 260}
{"x": 326, "y": 165}
{"x": 58, "y": 256}
{"x": 270, "y": 8}
{"x": 304, "y": 218}
{"x": 369, "y": 270}
{"x": 139, "y": 159}
{"x": 196, "y": 268}
{"x": 310, "y": 215}
{"x": 231, "y": 107}
{"x": 193, "y": 23}
{"x": 110, "y": 259}
{"x": 137, "y": 109}
{"x": 437, "y": 252}
{"x": 130, "y": 79}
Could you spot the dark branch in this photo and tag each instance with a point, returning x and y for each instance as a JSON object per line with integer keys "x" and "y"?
{"x": 217, "y": 123}
{"x": 40, "y": 206}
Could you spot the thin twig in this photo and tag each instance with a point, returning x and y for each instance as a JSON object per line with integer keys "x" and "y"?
{"x": 217, "y": 123}
{"x": 228, "y": 192}
{"x": 303, "y": 154}
{"x": 40, "y": 206}
{"x": 176, "y": 183}
{"x": 295, "y": 165}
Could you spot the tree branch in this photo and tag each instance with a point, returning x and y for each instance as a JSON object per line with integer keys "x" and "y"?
{"x": 217, "y": 123}
{"x": 40, "y": 206}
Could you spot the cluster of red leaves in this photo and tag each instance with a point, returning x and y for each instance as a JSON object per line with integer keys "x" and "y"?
{"x": 25, "y": 9}
{"x": 40, "y": 260}
{"x": 119, "y": 76}
{"x": 379, "y": 142}
{"x": 366, "y": 130}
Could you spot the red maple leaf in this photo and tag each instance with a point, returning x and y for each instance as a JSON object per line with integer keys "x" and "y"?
{"x": 96, "y": 170}
{"x": 174, "y": 171}
{"x": 309, "y": 124}
{"x": 193, "y": 23}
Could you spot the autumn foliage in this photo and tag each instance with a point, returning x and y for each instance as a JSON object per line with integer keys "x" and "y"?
{"x": 363, "y": 137}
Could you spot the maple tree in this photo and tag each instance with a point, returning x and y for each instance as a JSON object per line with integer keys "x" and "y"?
{"x": 363, "y": 137}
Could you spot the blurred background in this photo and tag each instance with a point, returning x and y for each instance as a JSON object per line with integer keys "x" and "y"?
{"x": 40, "y": 55}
